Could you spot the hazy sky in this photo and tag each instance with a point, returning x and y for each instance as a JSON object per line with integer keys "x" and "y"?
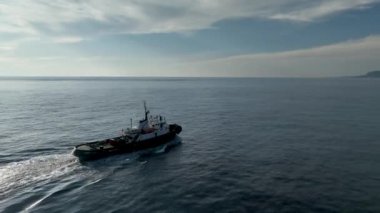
{"x": 259, "y": 38}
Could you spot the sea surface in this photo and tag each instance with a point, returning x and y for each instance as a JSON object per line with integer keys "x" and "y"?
{"x": 248, "y": 145}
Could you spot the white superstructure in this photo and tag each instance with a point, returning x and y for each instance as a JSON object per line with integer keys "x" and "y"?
{"x": 151, "y": 126}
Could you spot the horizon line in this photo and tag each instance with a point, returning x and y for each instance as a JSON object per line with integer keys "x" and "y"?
{"x": 140, "y": 77}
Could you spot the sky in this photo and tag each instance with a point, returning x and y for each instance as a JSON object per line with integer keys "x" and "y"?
{"x": 190, "y": 38}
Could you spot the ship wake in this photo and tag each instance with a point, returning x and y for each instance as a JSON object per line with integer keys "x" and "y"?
{"x": 21, "y": 174}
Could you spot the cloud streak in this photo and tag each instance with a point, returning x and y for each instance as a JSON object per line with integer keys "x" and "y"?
{"x": 93, "y": 17}
{"x": 26, "y": 25}
{"x": 322, "y": 9}
{"x": 68, "y": 40}
{"x": 342, "y": 59}
{"x": 347, "y": 58}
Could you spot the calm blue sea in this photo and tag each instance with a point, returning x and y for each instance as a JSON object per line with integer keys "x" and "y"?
{"x": 248, "y": 145}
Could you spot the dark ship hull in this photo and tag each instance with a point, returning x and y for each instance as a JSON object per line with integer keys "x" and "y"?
{"x": 122, "y": 144}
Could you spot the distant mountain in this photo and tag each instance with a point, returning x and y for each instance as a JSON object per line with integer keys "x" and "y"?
{"x": 372, "y": 74}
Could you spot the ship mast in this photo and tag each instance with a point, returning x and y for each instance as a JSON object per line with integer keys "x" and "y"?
{"x": 146, "y": 111}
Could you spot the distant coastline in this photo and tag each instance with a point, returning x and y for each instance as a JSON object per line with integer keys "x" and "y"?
{"x": 372, "y": 74}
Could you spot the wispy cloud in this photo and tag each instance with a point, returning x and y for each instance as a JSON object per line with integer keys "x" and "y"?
{"x": 7, "y": 59}
{"x": 322, "y": 9}
{"x": 69, "y": 40}
{"x": 7, "y": 47}
{"x": 91, "y": 17}
{"x": 347, "y": 58}
{"x": 25, "y": 25}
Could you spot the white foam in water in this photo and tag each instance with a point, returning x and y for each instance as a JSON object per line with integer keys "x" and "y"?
{"x": 17, "y": 174}
{"x": 160, "y": 150}
{"x": 51, "y": 192}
